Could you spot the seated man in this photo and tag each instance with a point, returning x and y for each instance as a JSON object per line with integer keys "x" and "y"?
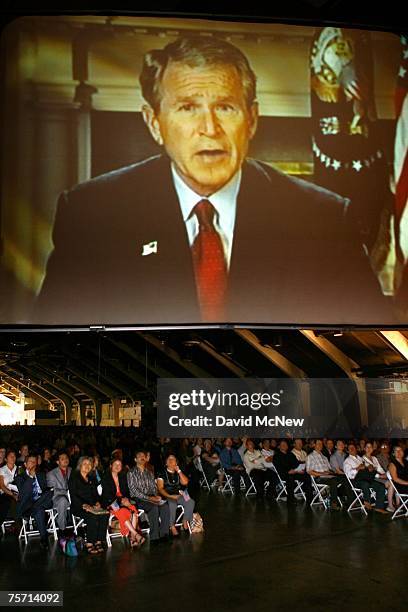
{"x": 254, "y": 464}
{"x": 144, "y": 493}
{"x": 34, "y": 498}
{"x": 318, "y": 466}
{"x": 298, "y": 451}
{"x": 57, "y": 479}
{"x": 287, "y": 465}
{"x": 364, "y": 478}
{"x": 233, "y": 465}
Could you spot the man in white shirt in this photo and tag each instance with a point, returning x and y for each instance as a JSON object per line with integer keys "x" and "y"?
{"x": 254, "y": 465}
{"x": 364, "y": 478}
{"x": 297, "y": 450}
{"x": 318, "y": 466}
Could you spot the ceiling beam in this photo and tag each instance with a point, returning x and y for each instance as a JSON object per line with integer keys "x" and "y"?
{"x": 396, "y": 340}
{"x": 271, "y": 354}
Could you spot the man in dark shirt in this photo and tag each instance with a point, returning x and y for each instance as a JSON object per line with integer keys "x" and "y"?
{"x": 143, "y": 491}
{"x": 286, "y": 464}
{"x": 34, "y": 497}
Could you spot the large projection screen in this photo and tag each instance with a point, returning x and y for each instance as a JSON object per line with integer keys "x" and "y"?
{"x": 169, "y": 171}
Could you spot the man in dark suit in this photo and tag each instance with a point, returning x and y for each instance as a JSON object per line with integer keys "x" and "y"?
{"x": 202, "y": 233}
{"x": 34, "y": 497}
{"x": 57, "y": 480}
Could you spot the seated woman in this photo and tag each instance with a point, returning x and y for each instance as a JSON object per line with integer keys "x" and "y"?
{"x": 85, "y": 503}
{"x": 210, "y": 461}
{"x": 398, "y": 469}
{"x": 8, "y": 491}
{"x": 170, "y": 483}
{"x": 115, "y": 497}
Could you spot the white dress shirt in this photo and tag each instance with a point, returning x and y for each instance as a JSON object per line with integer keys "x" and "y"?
{"x": 224, "y": 202}
{"x": 8, "y": 477}
{"x": 351, "y": 464}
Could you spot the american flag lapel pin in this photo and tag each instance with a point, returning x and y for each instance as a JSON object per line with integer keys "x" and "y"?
{"x": 149, "y": 248}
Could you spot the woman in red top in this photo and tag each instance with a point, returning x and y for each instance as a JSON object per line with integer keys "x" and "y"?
{"x": 115, "y": 497}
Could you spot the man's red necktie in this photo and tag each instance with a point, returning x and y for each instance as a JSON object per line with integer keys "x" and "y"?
{"x": 209, "y": 264}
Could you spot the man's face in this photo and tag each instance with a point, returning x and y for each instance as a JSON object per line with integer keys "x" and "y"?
{"x": 340, "y": 446}
{"x": 283, "y": 446}
{"x": 204, "y": 123}
{"x": 318, "y": 445}
{"x": 298, "y": 444}
{"x": 352, "y": 450}
{"x": 24, "y": 450}
{"x": 63, "y": 461}
{"x": 141, "y": 459}
{"x": 250, "y": 446}
{"x": 228, "y": 443}
{"x": 31, "y": 463}
{"x": 330, "y": 445}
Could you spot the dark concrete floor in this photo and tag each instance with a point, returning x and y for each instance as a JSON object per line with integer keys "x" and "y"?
{"x": 254, "y": 555}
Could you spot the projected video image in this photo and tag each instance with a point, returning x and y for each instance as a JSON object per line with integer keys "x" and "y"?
{"x": 174, "y": 171}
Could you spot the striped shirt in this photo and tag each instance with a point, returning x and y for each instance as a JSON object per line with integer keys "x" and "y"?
{"x": 142, "y": 484}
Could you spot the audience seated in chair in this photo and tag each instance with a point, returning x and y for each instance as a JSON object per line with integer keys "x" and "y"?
{"x": 172, "y": 486}
{"x": 116, "y": 497}
{"x": 8, "y": 492}
{"x": 318, "y": 466}
{"x": 57, "y": 480}
{"x": 86, "y": 504}
{"x": 233, "y": 465}
{"x": 34, "y": 496}
{"x": 364, "y": 478}
{"x": 287, "y": 465}
{"x": 144, "y": 494}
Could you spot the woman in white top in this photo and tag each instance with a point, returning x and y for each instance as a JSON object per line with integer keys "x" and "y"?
{"x": 8, "y": 493}
{"x": 370, "y": 460}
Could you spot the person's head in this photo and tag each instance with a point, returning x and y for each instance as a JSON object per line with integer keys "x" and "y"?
{"x": 116, "y": 466}
{"x": 63, "y": 460}
{"x": 207, "y": 445}
{"x": 84, "y": 465}
{"x": 274, "y": 443}
{"x": 266, "y": 445}
{"x": 398, "y": 453}
{"x": 385, "y": 448}
{"x": 298, "y": 444}
{"x": 228, "y": 443}
{"x": 362, "y": 444}
{"x": 96, "y": 462}
{"x": 329, "y": 444}
{"x": 47, "y": 454}
{"x": 201, "y": 106}
{"x": 171, "y": 462}
{"x": 250, "y": 445}
{"x": 2, "y": 453}
{"x": 352, "y": 449}
{"x": 283, "y": 446}
{"x": 368, "y": 449}
{"x": 318, "y": 445}
{"x": 10, "y": 458}
{"x": 340, "y": 446}
{"x": 31, "y": 462}
{"x": 140, "y": 458}
{"x": 24, "y": 450}
{"x": 117, "y": 454}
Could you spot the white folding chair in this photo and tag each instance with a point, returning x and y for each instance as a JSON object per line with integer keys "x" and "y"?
{"x": 251, "y": 490}
{"x": 318, "y": 490}
{"x": 27, "y": 528}
{"x": 77, "y": 522}
{"x": 281, "y": 487}
{"x": 5, "y": 524}
{"x": 402, "y": 509}
{"x": 357, "y": 503}
{"x": 180, "y": 518}
{"x": 203, "y": 478}
{"x": 112, "y": 535}
{"x": 227, "y": 487}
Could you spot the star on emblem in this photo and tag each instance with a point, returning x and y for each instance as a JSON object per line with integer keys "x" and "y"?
{"x": 336, "y": 164}
{"x": 402, "y": 72}
{"x": 357, "y": 165}
{"x": 405, "y": 53}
